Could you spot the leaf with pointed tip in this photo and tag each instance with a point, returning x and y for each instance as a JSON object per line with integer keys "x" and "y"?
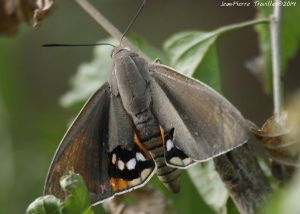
{"x": 187, "y": 49}
{"x": 209, "y": 185}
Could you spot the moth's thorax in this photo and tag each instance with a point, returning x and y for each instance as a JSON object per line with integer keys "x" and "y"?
{"x": 130, "y": 79}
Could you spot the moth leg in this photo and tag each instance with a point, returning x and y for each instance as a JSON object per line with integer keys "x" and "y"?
{"x": 175, "y": 156}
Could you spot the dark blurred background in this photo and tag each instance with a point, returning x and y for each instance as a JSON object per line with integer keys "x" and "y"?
{"x": 33, "y": 78}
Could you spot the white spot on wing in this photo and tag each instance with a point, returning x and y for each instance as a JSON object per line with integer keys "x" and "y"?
{"x": 187, "y": 161}
{"x": 140, "y": 157}
{"x": 121, "y": 165}
{"x": 170, "y": 145}
{"x": 131, "y": 164}
{"x": 135, "y": 182}
{"x": 114, "y": 159}
{"x": 176, "y": 161}
{"x": 145, "y": 173}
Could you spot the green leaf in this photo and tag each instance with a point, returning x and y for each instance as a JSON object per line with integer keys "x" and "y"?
{"x": 90, "y": 75}
{"x": 76, "y": 202}
{"x": 194, "y": 52}
{"x": 78, "y": 199}
{"x": 285, "y": 200}
{"x": 209, "y": 185}
{"x": 290, "y": 39}
{"x": 45, "y": 205}
{"x": 208, "y": 70}
{"x": 151, "y": 51}
{"x": 186, "y": 50}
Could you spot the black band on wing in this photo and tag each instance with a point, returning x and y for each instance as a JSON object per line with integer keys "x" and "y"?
{"x": 128, "y": 164}
{"x": 174, "y": 156}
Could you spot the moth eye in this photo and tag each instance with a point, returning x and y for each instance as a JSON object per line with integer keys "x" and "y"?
{"x": 131, "y": 164}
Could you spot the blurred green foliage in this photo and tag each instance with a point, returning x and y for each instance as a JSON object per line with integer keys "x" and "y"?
{"x": 290, "y": 40}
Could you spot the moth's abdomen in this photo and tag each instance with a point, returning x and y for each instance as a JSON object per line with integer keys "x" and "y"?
{"x": 168, "y": 175}
{"x": 151, "y": 137}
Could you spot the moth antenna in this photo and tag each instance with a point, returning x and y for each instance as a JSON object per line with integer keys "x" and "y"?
{"x": 75, "y": 45}
{"x": 133, "y": 20}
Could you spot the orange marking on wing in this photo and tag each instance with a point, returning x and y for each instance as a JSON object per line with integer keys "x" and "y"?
{"x": 162, "y": 132}
{"x": 118, "y": 184}
{"x": 114, "y": 184}
{"x": 122, "y": 184}
{"x": 141, "y": 146}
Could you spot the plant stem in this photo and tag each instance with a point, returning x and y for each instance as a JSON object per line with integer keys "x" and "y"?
{"x": 275, "y": 29}
{"x": 108, "y": 26}
{"x": 241, "y": 25}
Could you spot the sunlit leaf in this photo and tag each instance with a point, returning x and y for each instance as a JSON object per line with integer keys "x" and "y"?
{"x": 151, "y": 51}
{"x": 209, "y": 185}
{"x": 194, "y": 52}
{"x": 186, "y": 50}
{"x": 90, "y": 75}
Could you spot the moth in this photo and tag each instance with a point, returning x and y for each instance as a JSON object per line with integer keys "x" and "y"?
{"x": 146, "y": 119}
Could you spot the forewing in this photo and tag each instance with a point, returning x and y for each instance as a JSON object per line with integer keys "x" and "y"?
{"x": 84, "y": 149}
{"x": 101, "y": 145}
{"x": 205, "y": 124}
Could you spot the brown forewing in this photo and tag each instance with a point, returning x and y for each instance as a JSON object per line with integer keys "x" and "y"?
{"x": 84, "y": 149}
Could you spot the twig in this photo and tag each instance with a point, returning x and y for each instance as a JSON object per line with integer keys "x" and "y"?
{"x": 275, "y": 29}
{"x": 108, "y": 26}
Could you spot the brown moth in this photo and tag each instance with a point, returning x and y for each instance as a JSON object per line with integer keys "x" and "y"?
{"x": 147, "y": 118}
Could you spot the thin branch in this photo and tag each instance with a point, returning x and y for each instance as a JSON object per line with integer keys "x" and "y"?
{"x": 108, "y": 26}
{"x": 275, "y": 28}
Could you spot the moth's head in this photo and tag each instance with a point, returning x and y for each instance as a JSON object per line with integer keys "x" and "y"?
{"x": 118, "y": 50}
